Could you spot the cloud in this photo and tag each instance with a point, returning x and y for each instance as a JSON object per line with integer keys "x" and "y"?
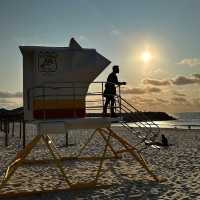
{"x": 176, "y": 104}
{"x": 138, "y": 90}
{"x": 10, "y": 100}
{"x": 157, "y": 72}
{"x": 179, "y": 100}
{"x": 10, "y": 95}
{"x": 153, "y": 90}
{"x": 149, "y": 104}
{"x": 115, "y": 32}
{"x": 190, "y": 62}
{"x": 135, "y": 90}
{"x": 143, "y": 102}
{"x": 179, "y": 80}
{"x": 196, "y": 102}
{"x": 5, "y": 102}
{"x": 162, "y": 100}
{"x": 156, "y": 82}
{"x": 147, "y": 101}
{"x": 179, "y": 94}
{"x": 184, "y": 80}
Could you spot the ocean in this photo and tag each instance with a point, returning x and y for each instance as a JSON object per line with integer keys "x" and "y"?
{"x": 187, "y": 120}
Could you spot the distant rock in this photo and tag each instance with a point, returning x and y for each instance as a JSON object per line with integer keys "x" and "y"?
{"x": 140, "y": 116}
{"x": 145, "y": 116}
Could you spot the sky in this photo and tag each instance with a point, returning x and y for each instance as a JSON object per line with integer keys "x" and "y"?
{"x": 122, "y": 31}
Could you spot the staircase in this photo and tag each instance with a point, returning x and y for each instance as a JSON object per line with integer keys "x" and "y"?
{"x": 144, "y": 129}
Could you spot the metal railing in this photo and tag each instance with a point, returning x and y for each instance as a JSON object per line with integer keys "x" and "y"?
{"x": 71, "y": 90}
{"x": 93, "y": 98}
{"x": 146, "y": 129}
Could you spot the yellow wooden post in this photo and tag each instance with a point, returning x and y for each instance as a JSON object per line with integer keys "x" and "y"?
{"x": 88, "y": 141}
{"x": 53, "y": 146}
{"x": 19, "y": 160}
{"x": 57, "y": 161}
{"x": 109, "y": 145}
{"x": 102, "y": 159}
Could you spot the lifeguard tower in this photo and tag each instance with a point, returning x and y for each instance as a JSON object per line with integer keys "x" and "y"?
{"x": 56, "y": 96}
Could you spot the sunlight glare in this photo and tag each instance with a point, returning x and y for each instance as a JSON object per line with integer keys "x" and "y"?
{"x": 146, "y": 56}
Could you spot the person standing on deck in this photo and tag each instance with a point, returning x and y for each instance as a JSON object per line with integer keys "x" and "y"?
{"x": 110, "y": 91}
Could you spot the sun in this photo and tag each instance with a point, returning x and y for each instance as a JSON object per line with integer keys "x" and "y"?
{"x": 146, "y": 56}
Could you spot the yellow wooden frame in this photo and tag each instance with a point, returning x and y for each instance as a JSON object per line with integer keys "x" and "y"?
{"x": 106, "y": 133}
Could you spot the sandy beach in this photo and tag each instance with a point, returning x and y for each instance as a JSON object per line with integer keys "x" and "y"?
{"x": 124, "y": 73}
{"x": 179, "y": 163}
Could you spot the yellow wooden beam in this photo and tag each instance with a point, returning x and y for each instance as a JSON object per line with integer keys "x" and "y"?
{"x": 103, "y": 156}
{"x": 19, "y": 160}
{"x": 87, "y": 142}
{"x": 109, "y": 145}
{"x": 56, "y": 160}
{"x": 74, "y": 158}
{"x": 133, "y": 152}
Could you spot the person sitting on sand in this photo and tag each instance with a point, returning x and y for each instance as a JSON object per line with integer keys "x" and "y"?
{"x": 164, "y": 142}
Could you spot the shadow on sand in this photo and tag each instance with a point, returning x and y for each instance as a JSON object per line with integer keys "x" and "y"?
{"x": 134, "y": 189}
